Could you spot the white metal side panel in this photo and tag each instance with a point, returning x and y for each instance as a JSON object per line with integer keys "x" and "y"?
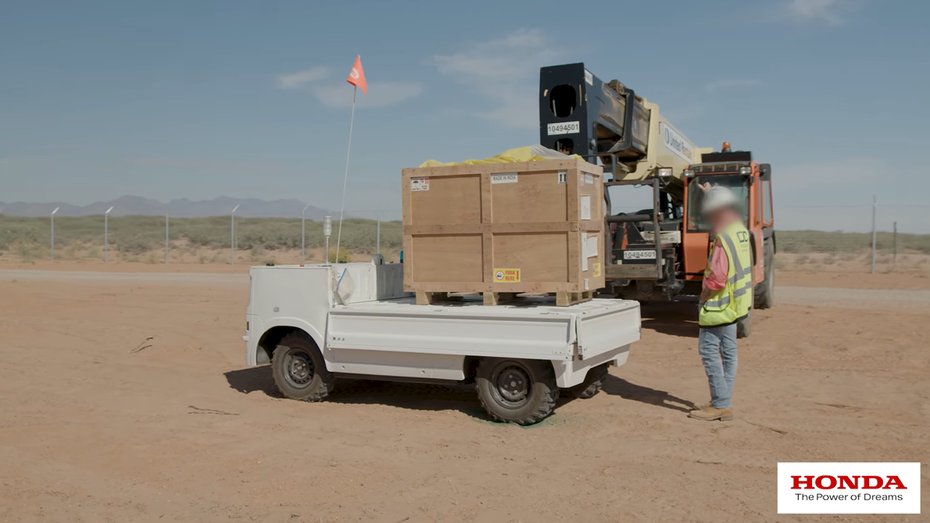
{"x": 290, "y": 296}
{"x": 468, "y": 330}
{"x": 603, "y": 331}
{"x": 399, "y": 364}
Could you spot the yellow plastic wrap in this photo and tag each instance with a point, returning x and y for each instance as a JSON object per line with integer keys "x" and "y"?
{"x": 531, "y": 153}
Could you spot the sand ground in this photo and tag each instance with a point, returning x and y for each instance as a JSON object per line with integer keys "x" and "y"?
{"x": 93, "y": 428}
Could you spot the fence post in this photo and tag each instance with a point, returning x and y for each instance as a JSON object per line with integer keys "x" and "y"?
{"x": 378, "y": 237}
{"x": 232, "y": 236}
{"x": 874, "y": 207}
{"x": 894, "y": 259}
{"x": 51, "y": 244}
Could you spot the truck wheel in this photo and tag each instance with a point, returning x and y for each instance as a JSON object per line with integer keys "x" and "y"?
{"x": 516, "y": 391}
{"x": 765, "y": 293}
{"x": 590, "y": 386}
{"x": 299, "y": 370}
{"x": 744, "y": 326}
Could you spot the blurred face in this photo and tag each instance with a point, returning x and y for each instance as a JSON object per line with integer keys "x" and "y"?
{"x": 721, "y": 217}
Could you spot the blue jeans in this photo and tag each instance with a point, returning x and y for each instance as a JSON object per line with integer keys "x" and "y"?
{"x": 717, "y": 346}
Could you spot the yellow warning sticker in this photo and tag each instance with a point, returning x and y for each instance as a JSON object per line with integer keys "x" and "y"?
{"x": 507, "y": 275}
{"x": 597, "y": 269}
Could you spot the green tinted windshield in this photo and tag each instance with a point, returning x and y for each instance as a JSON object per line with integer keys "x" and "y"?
{"x": 736, "y": 183}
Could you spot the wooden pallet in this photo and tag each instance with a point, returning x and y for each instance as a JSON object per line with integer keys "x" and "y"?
{"x": 562, "y": 298}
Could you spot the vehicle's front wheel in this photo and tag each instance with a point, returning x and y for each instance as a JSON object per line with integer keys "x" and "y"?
{"x": 516, "y": 391}
{"x": 299, "y": 370}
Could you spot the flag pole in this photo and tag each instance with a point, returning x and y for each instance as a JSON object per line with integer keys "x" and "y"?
{"x": 345, "y": 180}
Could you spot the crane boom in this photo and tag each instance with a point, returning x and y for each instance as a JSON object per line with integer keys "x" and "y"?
{"x": 580, "y": 114}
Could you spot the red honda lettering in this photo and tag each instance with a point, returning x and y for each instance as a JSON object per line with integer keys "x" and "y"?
{"x": 848, "y": 482}
{"x": 807, "y": 481}
{"x": 872, "y": 482}
{"x": 820, "y": 482}
{"x": 894, "y": 480}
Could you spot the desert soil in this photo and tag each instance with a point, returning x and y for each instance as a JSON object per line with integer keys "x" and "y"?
{"x": 124, "y": 397}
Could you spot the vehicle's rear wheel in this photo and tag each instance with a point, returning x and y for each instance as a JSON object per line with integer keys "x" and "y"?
{"x": 765, "y": 293}
{"x": 744, "y": 326}
{"x": 590, "y": 386}
{"x": 516, "y": 391}
{"x": 299, "y": 370}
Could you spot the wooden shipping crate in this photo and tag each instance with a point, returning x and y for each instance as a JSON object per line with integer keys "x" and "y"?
{"x": 529, "y": 227}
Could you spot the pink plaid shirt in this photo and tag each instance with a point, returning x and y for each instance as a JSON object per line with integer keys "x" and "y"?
{"x": 719, "y": 267}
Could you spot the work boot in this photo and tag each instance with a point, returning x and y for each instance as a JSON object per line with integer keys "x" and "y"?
{"x": 702, "y": 406}
{"x": 711, "y": 413}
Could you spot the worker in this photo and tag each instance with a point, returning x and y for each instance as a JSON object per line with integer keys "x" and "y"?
{"x": 725, "y": 299}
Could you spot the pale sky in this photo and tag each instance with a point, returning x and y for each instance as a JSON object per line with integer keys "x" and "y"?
{"x": 177, "y": 99}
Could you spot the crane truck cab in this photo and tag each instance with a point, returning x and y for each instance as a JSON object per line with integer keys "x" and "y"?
{"x": 751, "y": 182}
{"x": 660, "y": 252}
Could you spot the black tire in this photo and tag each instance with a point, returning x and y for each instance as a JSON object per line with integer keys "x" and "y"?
{"x": 765, "y": 292}
{"x": 299, "y": 370}
{"x": 590, "y": 386}
{"x": 744, "y": 326}
{"x": 516, "y": 391}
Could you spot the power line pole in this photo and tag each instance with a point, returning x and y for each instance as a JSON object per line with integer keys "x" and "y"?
{"x": 874, "y": 208}
{"x": 328, "y": 230}
{"x": 232, "y": 236}
{"x": 303, "y": 235}
{"x": 52, "y": 241}
{"x": 166, "y": 238}
{"x": 106, "y": 240}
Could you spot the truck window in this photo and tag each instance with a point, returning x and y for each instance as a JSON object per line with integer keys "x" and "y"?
{"x": 734, "y": 182}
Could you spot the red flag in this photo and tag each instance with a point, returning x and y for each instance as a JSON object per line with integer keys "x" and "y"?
{"x": 357, "y": 75}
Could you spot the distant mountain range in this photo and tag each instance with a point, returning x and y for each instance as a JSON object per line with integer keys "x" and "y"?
{"x": 183, "y": 208}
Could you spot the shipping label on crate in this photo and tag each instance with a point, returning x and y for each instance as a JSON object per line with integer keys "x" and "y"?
{"x": 584, "y": 207}
{"x": 419, "y": 184}
{"x": 507, "y": 275}
{"x": 589, "y": 178}
{"x": 504, "y": 178}
{"x": 597, "y": 270}
{"x": 590, "y": 246}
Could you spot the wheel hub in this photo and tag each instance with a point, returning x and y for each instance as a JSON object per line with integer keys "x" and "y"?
{"x": 300, "y": 369}
{"x": 513, "y": 384}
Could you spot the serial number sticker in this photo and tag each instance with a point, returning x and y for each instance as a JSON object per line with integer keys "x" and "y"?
{"x": 639, "y": 255}
{"x": 419, "y": 184}
{"x": 597, "y": 270}
{"x": 563, "y": 177}
{"x": 504, "y": 178}
{"x": 564, "y": 128}
{"x": 507, "y": 275}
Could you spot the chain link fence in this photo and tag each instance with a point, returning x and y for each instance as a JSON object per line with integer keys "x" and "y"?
{"x": 809, "y": 238}
{"x": 899, "y": 241}
{"x": 149, "y": 239}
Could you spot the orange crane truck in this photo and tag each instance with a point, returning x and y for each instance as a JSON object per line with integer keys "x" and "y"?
{"x": 609, "y": 124}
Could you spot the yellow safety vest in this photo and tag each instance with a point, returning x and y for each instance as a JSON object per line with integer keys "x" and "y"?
{"x": 734, "y": 300}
